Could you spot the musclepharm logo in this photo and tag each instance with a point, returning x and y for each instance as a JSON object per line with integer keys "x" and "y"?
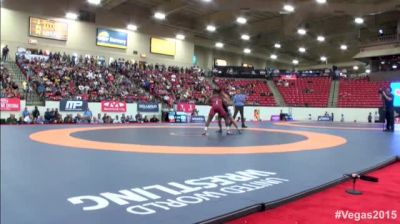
{"x": 73, "y": 105}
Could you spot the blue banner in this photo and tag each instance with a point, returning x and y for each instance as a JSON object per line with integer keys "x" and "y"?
{"x": 147, "y": 107}
{"x": 396, "y": 93}
{"x": 198, "y": 119}
{"x": 111, "y": 38}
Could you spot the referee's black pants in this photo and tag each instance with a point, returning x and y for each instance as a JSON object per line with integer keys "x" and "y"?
{"x": 389, "y": 116}
{"x": 240, "y": 110}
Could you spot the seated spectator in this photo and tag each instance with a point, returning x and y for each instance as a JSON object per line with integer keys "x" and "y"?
{"x": 78, "y": 119}
{"x": 11, "y": 119}
{"x": 21, "y": 120}
{"x": 116, "y": 120}
{"x": 28, "y": 119}
{"x": 145, "y": 119}
{"x": 47, "y": 116}
{"x": 39, "y": 120}
{"x": 138, "y": 117}
{"x": 154, "y": 119}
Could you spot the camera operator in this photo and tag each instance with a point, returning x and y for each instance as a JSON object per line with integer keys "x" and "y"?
{"x": 387, "y": 96}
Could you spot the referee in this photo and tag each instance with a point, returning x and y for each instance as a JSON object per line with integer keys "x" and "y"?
{"x": 238, "y": 100}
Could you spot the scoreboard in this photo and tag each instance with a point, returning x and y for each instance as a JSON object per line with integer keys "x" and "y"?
{"x": 49, "y": 29}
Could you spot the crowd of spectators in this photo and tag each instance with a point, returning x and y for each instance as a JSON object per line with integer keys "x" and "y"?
{"x": 53, "y": 116}
{"x": 8, "y": 88}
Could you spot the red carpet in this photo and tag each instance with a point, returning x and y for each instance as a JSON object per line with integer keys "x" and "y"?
{"x": 381, "y": 200}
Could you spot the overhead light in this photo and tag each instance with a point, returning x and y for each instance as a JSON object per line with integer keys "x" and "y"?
{"x": 273, "y": 56}
{"x": 247, "y": 51}
{"x": 180, "y": 36}
{"x": 159, "y": 15}
{"x": 277, "y": 45}
{"x": 131, "y": 27}
{"x": 380, "y": 31}
{"x": 382, "y": 62}
{"x": 288, "y": 8}
{"x": 394, "y": 66}
{"x": 321, "y": 1}
{"x": 302, "y": 49}
{"x": 355, "y": 67}
{"x": 211, "y": 28}
{"x": 245, "y": 37}
{"x": 359, "y": 20}
{"x": 321, "y": 38}
{"x": 241, "y": 20}
{"x": 219, "y": 45}
{"x": 368, "y": 71}
{"x": 301, "y": 31}
{"x": 94, "y": 2}
{"x": 71, "y": 15}
{"x": 343, "y": 47}
{"x": 295, "y": 61}
{"x": 206, "y": 0}
{"x": 323, "y": 58}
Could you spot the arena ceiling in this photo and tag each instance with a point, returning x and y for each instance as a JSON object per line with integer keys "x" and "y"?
{"x": 267, "y": 23}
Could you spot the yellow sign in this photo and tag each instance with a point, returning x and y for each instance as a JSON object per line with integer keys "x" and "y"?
{"x": 46, "y": 28}
{"x": 163, "y": 46}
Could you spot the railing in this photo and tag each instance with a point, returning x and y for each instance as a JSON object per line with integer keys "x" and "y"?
{"x": 386, "y": 39}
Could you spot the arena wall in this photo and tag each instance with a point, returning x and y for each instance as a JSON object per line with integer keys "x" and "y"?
{"x": 82, "y": 40}
{"x": 298, "y": 113}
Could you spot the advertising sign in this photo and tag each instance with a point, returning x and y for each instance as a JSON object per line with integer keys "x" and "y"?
{"x": 111, "y": 38}
{"x": 186, "y": 107}
{"x": 113, "y": 106}
{"x": 147, "y": 107}
{"x": 73, "y": 105}
{"x": 10, "y": 104}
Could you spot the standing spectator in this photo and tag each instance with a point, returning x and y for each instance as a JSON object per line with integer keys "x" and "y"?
{"x": 35, "y": 113}
{"x": 25, "y": 113}
{"x": 370, "y": 117}
{"x": 87, "y": 116}
{"x": 239, "y": 99}
{"x": 342, "y": 118}
{"x": 5, "y": 53}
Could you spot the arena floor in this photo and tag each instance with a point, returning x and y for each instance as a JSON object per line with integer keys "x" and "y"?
{"x": 168, "y": 173}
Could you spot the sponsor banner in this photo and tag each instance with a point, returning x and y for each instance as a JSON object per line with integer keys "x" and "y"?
{"x": 186, "y": 107}
{"x": 46, "y": 28}
{"x": 113, "y": 106}
{"x": 10, "y": 104}
{"x": 111, "y": 38}
{"x": 324, "y": 118}
{"x": 396, "y": 93}
{"x": 197, "y": 119}
{"x": 147, "y": 107}
{"x": 289, "y": 77}
{"x": 275, "y": 117}
{"x": 73, "y": 105}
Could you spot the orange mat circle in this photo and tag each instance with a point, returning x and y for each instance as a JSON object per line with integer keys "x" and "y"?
{"x": 63, "y": 137}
